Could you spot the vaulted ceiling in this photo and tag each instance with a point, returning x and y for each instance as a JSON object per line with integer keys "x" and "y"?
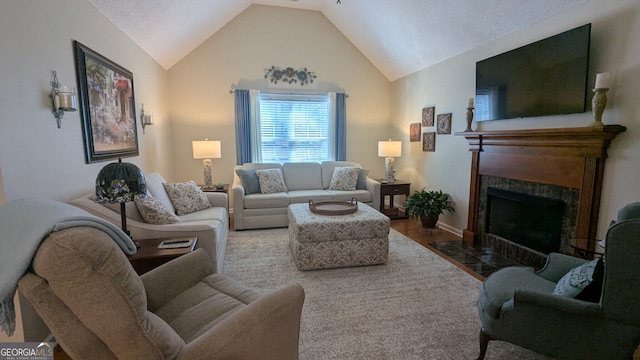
{"x": 398, "y": 36}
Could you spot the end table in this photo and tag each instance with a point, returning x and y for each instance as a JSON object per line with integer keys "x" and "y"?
{"x": 397, "y": 187}
{"x": 149, "y": 257}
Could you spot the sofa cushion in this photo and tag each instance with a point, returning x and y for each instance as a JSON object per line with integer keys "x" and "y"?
{"x": 156, "y": 189}
{"x": 360, "y": 195}
{"x": 271, "y": 181}
{"x": 186, "y": 197}
{"x": 154, "y": 212}
{"x": 249, "y": 180}
{"x": 266, "y": 201}
{"x": 303, "y": 196}
{"x": 302, "y": 176}
{"x": 344, "y": 178}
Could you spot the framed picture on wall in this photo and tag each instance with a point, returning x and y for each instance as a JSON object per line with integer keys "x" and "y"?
{"x": 107, "y": 106}
{"x": 429, "y": 141}
{"x": 444, "y": 123}
{"x": 427, "y": 116}
{"x": 414, "y": 132}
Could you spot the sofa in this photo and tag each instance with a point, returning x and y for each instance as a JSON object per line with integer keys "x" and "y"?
{"x": 254, "y": 209}
{"x": 210, "y": 225}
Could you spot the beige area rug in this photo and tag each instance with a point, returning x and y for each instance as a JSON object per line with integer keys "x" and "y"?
{"x": 417, "y": 306}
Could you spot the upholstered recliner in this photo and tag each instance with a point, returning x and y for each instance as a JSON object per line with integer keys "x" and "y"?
{"x": 97, "y": 307}
{"x": 517, "y": 304}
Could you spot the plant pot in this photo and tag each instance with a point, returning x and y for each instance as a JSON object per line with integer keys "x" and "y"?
{"x": 429, "y": 222}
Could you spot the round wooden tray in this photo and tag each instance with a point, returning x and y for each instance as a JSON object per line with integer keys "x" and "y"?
{"x": 333, "y": 207}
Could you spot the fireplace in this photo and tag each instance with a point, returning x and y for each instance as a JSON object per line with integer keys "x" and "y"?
{"x": 557, "y": 163}
{"x": 534, "y": 222}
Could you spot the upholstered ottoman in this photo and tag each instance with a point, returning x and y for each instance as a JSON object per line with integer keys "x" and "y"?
{"x": 331, "y": 241}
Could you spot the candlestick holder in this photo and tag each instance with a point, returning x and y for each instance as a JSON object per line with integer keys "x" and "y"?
{"x": 469, "y": 119}
{"x": 598, "y": 103}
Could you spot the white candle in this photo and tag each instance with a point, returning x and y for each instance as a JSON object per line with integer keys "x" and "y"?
{"x": 56, "y": 101}
{"x": 470, "y": 103}
{"x": 602, "y": 81}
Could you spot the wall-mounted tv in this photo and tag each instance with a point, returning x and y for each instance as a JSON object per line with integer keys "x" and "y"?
{"x": 547, "y": 77}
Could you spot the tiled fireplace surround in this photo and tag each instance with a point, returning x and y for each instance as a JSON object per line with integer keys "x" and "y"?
{"x": 562, "y": 163}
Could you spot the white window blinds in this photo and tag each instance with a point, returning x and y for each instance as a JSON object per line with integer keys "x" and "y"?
{"x": 294, "y": 128}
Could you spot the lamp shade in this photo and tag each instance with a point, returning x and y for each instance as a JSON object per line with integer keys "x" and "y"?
{"x": 120, "y": 183}
{"x": 389, "y": 148}
{"x": 206, "y": 149}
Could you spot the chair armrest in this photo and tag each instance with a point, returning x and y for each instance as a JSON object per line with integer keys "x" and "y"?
{"x": 218, "y": 199}
{"x": 267, "y": 329}
{"x": 558, "y": 265}
{"x": 172, "y": 278}
{"x": 547, "y": 302}
{"x": 374, "y": 186}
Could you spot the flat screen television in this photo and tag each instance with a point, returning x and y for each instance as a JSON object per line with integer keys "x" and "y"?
{"x": 547, "y": 77}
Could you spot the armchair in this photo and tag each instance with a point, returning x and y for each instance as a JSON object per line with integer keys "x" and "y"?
{"x": 517, "y": 304}
{"x": 97, "y": 307}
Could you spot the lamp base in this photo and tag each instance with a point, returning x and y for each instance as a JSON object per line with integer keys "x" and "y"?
{"x": 389, "y": 170}
{"x": 206, "y": 167}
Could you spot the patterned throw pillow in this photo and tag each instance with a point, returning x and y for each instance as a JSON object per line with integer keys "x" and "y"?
{"x": 573, "y": 282}
{"x": 271, "y": 181}
{"x": 186, "y": 197}
{"x": 154, "y": 211}
{"x": 344, "y": 178}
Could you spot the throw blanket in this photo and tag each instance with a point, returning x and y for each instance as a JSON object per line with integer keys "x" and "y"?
{"x": 23, "y": 225}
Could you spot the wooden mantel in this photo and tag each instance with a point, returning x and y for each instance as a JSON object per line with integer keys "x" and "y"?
{"x": 570, "y": 157}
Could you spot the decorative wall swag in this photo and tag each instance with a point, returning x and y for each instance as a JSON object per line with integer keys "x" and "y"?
{"x": 289, "y": 75}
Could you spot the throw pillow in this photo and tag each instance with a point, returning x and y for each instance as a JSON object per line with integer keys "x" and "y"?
{"x": 271, "y": 181}
{"x": 573, "y": 282}
{"x": 249, "y": 180}
{"x": 344, "y": 178}
{"x": 186, "y": 197}
{"x": 593, "y": 291}
{"x": 362, "y": 180}
{"x": 154, "y": 211}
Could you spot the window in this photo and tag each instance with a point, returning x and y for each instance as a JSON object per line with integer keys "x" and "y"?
{"x": 295, "y": 128}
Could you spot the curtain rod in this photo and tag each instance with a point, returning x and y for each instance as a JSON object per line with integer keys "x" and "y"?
{"x": 231, "y": 91}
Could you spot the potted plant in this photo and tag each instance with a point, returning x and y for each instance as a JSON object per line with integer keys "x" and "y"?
{"x": 428, "y": 205}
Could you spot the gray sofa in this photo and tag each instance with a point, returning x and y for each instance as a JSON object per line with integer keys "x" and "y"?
{"x": 304, "y": 182}
{"x": 211, "y": 225}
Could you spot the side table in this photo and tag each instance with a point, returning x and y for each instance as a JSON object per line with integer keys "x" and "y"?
{"x": 397, "y": 187}
{"x": 149, "y": 257}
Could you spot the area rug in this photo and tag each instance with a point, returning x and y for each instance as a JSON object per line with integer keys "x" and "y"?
{"x": 417, "y": 306}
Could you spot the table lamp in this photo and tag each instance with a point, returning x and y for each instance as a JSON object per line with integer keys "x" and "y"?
{"x": 120, "y": 183}
{"x": 206, "y": 150}
{"x": 389, "y": 150}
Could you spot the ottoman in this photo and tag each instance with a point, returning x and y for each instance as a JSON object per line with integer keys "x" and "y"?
{"x": 331, "y": 241}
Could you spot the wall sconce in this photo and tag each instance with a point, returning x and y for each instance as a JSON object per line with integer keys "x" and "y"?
{"x": 206, "y": 150}
{"x": 389, "y": 150}
{"x": 62, "y": 99}
{"x": 145, "y": 118}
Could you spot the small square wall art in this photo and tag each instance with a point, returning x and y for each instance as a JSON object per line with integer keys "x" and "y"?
{"x": 429, "y": 141}
{"x": 444, "y": 123}
{"x": 428, "y": 116}
{"x": 414, "y": 132}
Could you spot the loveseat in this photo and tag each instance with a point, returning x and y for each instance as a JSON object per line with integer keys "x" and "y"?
{"x": 254, "y": 209}
{"x": 210, "y": 225}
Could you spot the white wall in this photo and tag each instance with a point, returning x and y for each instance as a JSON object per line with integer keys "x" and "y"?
{"x": 615, "y": 47}
{"x": 37, "y": 158}
{"x": 237, "y": 56}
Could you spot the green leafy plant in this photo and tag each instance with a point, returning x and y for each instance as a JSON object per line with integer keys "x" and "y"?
{"x": 428, "y": 203}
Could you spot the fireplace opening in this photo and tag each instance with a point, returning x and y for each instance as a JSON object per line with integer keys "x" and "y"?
{"x": 531, "y": 221}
